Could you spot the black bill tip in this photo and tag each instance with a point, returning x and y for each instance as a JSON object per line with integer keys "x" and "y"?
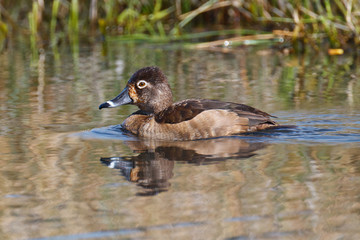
{"x": 104, "y": 105}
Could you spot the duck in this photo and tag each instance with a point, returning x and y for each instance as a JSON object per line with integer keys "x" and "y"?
{"x": 160, "y": 118}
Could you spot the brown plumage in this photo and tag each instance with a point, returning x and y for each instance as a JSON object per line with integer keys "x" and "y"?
{"x": 160, "y": 118}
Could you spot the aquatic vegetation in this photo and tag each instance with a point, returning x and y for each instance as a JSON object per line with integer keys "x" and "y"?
{"x": 34, "y": 18}
{"x": 336, "y": 21}
{"x": 3, "y": 34}
{"x": 53, "y": 21}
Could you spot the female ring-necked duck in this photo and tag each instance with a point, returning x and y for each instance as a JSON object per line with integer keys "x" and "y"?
{"x": 160, "y": 118}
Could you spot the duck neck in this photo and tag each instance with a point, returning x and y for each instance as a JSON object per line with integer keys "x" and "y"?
{"x": 161, "y": 106}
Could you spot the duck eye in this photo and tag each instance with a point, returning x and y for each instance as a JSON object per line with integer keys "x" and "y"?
{"x": 141, "y": 84}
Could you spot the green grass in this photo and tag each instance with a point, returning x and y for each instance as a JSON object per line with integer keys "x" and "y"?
{"x": 311, "y": 21}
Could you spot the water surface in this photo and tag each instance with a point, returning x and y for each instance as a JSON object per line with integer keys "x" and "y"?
{"x": 68, "y": 172}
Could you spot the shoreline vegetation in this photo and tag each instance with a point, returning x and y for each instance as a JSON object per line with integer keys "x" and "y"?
{"x": 204, "y": 24}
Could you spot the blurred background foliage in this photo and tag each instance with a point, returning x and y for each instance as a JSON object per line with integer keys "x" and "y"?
{"x": 49, "y": 23}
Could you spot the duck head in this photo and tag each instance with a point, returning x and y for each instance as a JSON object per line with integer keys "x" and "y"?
{"x": 147, "y": 88}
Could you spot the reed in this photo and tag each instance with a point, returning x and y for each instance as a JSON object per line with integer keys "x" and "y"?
{"x": 74, "y": 30}
{"x": 3, "y": 34}
{"x": 74, "y": 18}
{"x": 33, "y": 26}
{"x": 313, "y": 20}
{"x": 54, "y": 14}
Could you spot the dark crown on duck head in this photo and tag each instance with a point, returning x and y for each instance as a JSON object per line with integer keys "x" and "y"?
{"x": 150, "y": 90}
{"x": 147, "y": 88}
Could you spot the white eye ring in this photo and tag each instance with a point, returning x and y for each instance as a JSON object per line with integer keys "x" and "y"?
{"x": 141, "y": 84}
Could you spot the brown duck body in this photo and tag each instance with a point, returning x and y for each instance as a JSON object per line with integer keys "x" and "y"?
{"x": 198, "y": 118}
{"x": 189, "y": 119}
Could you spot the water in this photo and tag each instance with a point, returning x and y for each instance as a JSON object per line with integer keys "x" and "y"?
{"x": 68, "y": 172}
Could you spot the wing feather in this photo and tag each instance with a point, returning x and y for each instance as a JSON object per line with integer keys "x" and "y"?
{"x": 188, "y": 109}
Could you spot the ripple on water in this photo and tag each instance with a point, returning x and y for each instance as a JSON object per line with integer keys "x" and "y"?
{"x": 113, "y": 132}
{"x": 322, "y": 128}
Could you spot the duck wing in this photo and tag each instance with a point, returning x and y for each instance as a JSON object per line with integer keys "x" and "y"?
{"x": 188, "y": 109}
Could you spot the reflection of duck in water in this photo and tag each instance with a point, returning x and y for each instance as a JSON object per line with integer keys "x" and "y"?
{"x": 160, "y": 118}
{"x": 153, "y": 167}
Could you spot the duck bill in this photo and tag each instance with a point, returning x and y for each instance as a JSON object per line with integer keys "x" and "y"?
{"x": 121, "y": 99}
